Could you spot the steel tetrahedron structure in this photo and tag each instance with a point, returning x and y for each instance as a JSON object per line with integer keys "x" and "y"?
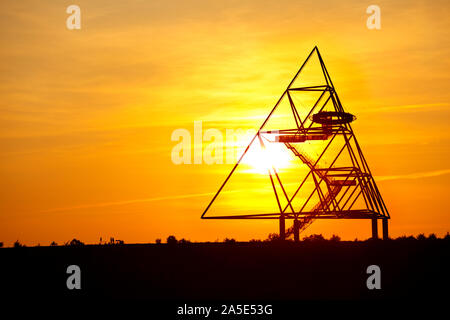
{"x": 342, "y": 187}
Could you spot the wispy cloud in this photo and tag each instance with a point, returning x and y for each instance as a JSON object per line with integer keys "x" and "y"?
{"x": 409, "y": 107}
{"x": 125, "y": 202}
{"x": 418, "y": 175}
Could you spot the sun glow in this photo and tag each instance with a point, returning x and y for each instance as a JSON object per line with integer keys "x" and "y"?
{"x": 261, "y": 159}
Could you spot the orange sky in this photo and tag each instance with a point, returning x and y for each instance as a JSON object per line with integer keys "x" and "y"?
{"x": 86, "y": 116}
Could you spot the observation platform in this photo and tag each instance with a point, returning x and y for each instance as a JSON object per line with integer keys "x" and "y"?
{"x": 332, "y": 117}
{"x": 332, "y": 122}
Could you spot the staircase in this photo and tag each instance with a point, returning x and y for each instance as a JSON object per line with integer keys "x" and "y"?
{"x": 334, "y": 187}
{"x": 306, "y": 160}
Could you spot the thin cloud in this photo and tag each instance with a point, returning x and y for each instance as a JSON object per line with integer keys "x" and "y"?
{"x": 125, "y": 202}
{"x": 418, "y": 175}
{"x": 409, "y": 107}
{"x": 133, "y": 201}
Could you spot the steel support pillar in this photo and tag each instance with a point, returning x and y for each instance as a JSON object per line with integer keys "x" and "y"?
{"x": 296, "y": 230}
{"x": 282, "y": 227}
{"x": 374, "y": 228}
{"x": 385, "y": 229}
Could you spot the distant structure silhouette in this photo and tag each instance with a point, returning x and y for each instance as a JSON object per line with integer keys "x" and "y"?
{"x": 343, "y": 187}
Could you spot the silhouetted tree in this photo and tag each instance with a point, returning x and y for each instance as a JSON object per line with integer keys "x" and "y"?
{"x": 171, "y": 240}
{"x": 17, "y": 244}
{"x": 335, "y": 238}
{"x": 226, "y": 240}
{"x": 53, "y": 244}
{"x": 421, "y": 237}
{"x": 184, "y": 241}
{"x": 1, "y": 244}
{"x": 447, "y": 236}
{"x": 405, "y": 238}
{"x": 273, "y": 237}
{"x": 158, "y": 241}
{"x": 75, "y": 243}
{"x": 314, "y": 237}
{"x": 432, "y": 236}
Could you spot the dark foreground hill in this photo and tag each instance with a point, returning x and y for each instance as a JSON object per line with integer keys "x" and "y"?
{"x": 410, "y": 269}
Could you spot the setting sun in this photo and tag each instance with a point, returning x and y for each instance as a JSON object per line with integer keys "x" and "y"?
{"x": 271, "y": 155}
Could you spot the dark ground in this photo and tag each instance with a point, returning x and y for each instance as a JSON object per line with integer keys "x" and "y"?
{"x": 325, "y": 279}
{"x": 410, "y": 269}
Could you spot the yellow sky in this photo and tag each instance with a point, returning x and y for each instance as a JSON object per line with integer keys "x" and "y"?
{"x": 86, "y": 116}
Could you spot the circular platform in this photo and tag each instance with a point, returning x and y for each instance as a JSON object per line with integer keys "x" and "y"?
{"x": 332, "y": 117}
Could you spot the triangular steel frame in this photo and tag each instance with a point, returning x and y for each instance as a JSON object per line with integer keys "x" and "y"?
{"x": 336, "y": 179}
